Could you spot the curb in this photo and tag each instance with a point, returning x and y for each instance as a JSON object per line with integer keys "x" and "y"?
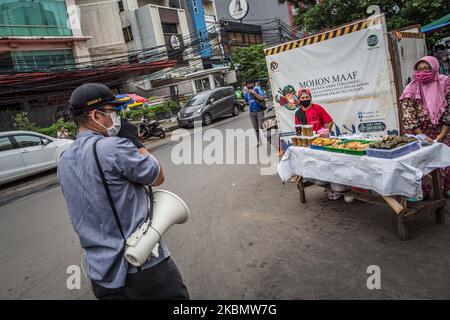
{"x": 14, "y": 193}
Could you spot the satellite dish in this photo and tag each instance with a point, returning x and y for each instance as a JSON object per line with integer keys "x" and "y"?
{"x": 238, "y": 9}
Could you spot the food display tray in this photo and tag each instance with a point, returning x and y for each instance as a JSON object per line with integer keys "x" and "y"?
{"x": 394, "y": 153}
{"x": 348, "y": 151}
{"x": 315, "y": 147}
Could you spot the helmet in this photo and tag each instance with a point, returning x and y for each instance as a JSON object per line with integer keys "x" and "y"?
{"x": 288, "y": 89}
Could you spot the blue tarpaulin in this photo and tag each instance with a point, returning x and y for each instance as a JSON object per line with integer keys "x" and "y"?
{"x": 439, "y": 23}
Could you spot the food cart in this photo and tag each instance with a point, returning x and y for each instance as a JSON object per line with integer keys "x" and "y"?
{"x": 380, "y": 181}
{"x": 356, "y": 72}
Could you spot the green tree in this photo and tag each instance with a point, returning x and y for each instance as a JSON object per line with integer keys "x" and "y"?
{"x": 21, "y": 122}
{"x": 399, "y": 13}
{"x": 250, "y": 62}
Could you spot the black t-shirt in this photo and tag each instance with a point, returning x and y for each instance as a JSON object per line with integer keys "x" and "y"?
{"x": 131, "y": 132}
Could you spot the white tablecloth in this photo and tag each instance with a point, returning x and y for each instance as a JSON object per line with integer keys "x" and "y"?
{"x": 400, "y": 176}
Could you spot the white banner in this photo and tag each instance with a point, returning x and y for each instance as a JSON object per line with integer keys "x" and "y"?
{"x": 349, "y": 74}
{"x": 411, "y": 47}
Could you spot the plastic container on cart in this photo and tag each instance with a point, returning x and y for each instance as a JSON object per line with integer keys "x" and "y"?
{"x": 324, "y": 133}
{"x": 320, "y": 182}
{"x": 307, "y": 130}
{"x": 336, "y": 187}
{"x": 394, "y": 153}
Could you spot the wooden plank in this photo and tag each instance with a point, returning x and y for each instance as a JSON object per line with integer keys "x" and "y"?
{"x": 438, "y": 194}
{"x": 394, "y": 204}
{"x": 301, "y": 190}
{"x": 437, "y": 185}
{"x": 403, "y": 230}
{"x": 367, "y": 197}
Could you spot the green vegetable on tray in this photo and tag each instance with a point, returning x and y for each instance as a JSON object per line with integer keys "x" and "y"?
{"x": 392, "y": 142}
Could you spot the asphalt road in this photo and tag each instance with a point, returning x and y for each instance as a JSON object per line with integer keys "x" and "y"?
{"x": 248, "y": 237}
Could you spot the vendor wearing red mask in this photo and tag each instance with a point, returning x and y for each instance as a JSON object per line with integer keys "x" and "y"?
{"x": 311, "y": 113}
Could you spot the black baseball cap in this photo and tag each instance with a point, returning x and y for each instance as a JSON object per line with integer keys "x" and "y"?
{"x": 91, "y": 96}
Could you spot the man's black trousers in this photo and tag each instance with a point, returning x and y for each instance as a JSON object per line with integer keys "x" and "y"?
{"x": 160, "y": 282}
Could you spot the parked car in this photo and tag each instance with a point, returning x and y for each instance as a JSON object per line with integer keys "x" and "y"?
{"x": 209, "y": 105}
{"x": 24, "y": 153}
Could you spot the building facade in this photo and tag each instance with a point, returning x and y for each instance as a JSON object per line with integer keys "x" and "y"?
{"x": 151, "y": 29}
{"x": 39, "y": 35}
{"x": 260, "y": 21}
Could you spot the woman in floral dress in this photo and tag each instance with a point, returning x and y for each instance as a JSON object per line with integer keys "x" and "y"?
{"x": 426, "y": 108}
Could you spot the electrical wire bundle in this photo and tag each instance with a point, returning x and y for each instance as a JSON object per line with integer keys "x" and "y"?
{"x": 118, "y": 68}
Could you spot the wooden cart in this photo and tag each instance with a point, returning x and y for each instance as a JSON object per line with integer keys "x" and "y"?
{"x": 405, "y": 211}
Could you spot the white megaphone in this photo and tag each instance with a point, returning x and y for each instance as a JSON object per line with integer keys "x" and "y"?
{"x": 168, "y": 209}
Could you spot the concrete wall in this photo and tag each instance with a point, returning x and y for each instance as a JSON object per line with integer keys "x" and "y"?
{"x": 183, "y": 26}
{"x": 184, "y": 88}
{"x": 259, "y": 10}
{"x": 101, "y": 20}
{"x": 145, "y": 26}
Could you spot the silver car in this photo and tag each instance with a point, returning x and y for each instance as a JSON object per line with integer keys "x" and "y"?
{"x": 209, "y": 105}
{"x": 24, "y": 153}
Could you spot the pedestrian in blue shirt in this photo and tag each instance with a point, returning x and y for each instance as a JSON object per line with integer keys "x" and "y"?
{"x": 127, "y": 170}
{"x": 253, "y": 99}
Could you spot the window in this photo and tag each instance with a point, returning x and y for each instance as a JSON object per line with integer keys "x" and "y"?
{"x": 169, "y": 28}
{"x": 194, "y": 6}
{"x": 246, "y": 38}
{"x": 43, "y": 60}
{"x": 202, "y": 41}
{"x": 127, "y": 34}
{"x": 120, "y": 3}
{"x": 28, "y": 141}
{"x": 202, "y": 84}
{"x": 252, "y": 38}
{"x": 217, "y": 96}
{"x": 175, "y": 4}
{"x": 34, "y": 18}
{"x": 5, "y": 144}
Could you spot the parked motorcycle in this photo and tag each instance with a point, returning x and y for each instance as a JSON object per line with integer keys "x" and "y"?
{"x": 241, "y": 105}
{"x": 151, "y": 128}
{"x": 269, "y": 122}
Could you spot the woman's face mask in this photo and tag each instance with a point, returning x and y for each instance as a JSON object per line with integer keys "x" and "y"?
{"x": 423, "y": 76}
{"x": 116, "y": 123}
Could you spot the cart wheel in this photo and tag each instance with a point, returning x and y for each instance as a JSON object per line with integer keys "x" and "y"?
{"x": 403, "y": 228}
{"x": 440, "y": 216}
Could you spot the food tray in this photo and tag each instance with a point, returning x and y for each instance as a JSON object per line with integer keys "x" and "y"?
{"x": 348, "y": 151}
{"x": 394, "y": 153}
{"x": 315, "y": 147}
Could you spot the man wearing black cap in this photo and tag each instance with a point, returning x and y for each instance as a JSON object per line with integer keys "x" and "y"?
{"x": 105, "y": 216}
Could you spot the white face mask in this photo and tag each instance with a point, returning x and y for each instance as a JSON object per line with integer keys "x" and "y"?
{"x": 112, "y": 131}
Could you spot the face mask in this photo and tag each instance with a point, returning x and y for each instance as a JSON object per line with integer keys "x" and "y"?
{"x": 112, "y": 131}
{"x": 424, "y": 76}
{"x": 305, "y": 103}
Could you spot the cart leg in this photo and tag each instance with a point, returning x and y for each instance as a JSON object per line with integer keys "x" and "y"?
{"x": 301, "y": 190}
{"x": 402, "y": 227}
{"x": 439, "y": 214}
